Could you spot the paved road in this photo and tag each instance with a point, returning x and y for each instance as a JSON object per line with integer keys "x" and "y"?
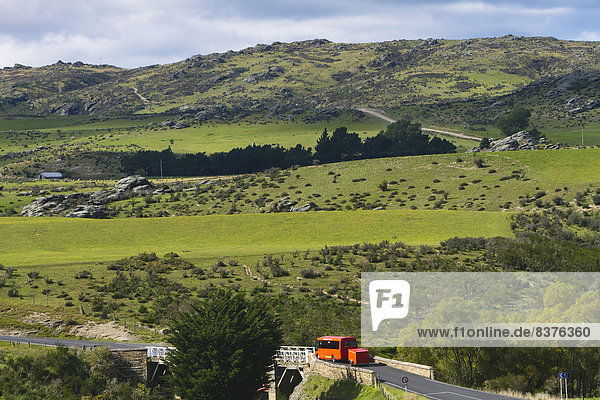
{"x": 74, "y": 343}
{"x": 429, "y": 388}
{"x": 379, "y": 114}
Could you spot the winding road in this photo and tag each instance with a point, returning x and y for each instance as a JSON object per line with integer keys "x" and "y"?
{"x": 379, "y": 114}
{"x": 429, "y": 388}
{"x": 79, "y": 344}
{"x": 420, "y": 385}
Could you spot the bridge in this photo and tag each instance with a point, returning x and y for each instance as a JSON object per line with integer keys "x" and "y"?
{"x": 146, "y": 362}
{"x": 293, "y": 363}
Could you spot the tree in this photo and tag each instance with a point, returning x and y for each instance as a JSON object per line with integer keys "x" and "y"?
{"x": 224, "y": 347}
{"x": 515, "y": 121}
{"x": 484, "y": 143}
{"x": 324, "y": 148}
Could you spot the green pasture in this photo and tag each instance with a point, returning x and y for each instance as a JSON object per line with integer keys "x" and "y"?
{"x": 561, "y": 167}
{"x": 51, "y": 241}
{"x": 209, "y": 138}
{"x": 518, "y": 180}
{"x": 71, "y": 123}
{"x": 506, "y": 181}
{"x": 212, "y": 138}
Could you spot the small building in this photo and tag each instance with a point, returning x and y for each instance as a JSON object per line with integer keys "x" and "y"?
{"x": 50, "y": 175}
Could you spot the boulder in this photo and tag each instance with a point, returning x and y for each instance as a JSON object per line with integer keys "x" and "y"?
{"x": 285, "y": 204}
{"x": 40, "y": 206}
{"x": 130, "y": 183}
{"x": 304, "y": 208}
{"x": 519, "y": 141}
{"x": 88, "y": 211}
{"x": 181, "y": 125}
{"x": 142, "y": 190}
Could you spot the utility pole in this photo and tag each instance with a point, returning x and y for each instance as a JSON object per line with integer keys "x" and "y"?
{"x": 582, "y": 138}
{"x": 161, "y": 172}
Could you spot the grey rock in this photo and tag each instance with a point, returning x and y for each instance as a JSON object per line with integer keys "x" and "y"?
{"x": 519, "y": 141}
{"x": 131, "y": 182}
{"x": 41, "y": 205}
{"x": 100, "y": 197}
{"x": 285, "y": 204}
{"x": 181, "y": 125}
{"x": 88, "y": 211}
{"x": 142, "y": 190}
{"x": 304, "y": 208}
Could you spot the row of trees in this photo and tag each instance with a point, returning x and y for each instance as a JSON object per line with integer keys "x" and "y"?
{"x": 401, "y": 138}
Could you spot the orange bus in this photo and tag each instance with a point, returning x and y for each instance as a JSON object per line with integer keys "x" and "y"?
{"x": 341, "y": 348}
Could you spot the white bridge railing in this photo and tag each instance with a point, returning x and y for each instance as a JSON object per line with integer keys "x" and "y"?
{"x": 294, "y": 355}
{"x": 158, "y": 354}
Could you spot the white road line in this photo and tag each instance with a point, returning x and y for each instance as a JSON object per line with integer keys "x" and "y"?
{"x": 456, "y": 394}
{"x": 412, "y": 391}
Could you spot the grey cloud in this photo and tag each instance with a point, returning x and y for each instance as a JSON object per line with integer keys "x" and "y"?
{"x": 139, "y": 32}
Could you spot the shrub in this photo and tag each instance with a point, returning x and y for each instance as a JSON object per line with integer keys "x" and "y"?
{"x": 13, "y": 292}
{"x": 85, "y": 274}
{"x": 310, "y": 273}
{"x": 278, "y": 271}
{"x": 33, "y": 274}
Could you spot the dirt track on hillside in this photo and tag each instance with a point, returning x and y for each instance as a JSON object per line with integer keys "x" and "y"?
{"x": 379, "y": 114}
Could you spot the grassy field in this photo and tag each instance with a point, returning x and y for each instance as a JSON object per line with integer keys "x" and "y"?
{"x": 55, "y": 241}
{"x": 505, "y": 181}
{"x": 318, "y": 387}
{"x": 208, "y": 138}
{"x": 211, "y": 138}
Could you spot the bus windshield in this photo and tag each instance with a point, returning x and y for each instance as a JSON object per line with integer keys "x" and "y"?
{"x": 328, "y": 344}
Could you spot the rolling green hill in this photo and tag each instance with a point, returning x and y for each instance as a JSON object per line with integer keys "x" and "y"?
{"x": 287, "y": 79}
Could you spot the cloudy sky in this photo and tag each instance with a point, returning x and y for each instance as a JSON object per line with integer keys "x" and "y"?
{"x": 132, "y": 33}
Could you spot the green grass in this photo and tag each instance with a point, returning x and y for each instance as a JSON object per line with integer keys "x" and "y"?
{"x": 70, "y": 123}
{"x": 318, "y": 387}
{"x": 399, "y": 394}
{"x": 207, "y": 138}
{"x": 223, "y": 137}
{"x": 519, "y": 180}
{"x": 562, "y": 167}
{"x": 51, "y": 241}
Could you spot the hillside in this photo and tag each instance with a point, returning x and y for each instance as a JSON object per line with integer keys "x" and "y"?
{"x": 312, "y": 78}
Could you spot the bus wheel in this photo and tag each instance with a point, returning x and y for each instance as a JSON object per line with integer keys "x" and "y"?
{"x": 352, "y": 363}
{"x": 332, "y": 358}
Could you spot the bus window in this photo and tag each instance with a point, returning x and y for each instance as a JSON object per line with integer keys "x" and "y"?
{"x": 345, "y": 345}
{"x": 352, "y": 344}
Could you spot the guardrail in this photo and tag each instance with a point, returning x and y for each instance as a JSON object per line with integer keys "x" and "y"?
{"x": 294, "y": 355}
{"x": 158, "y": 354}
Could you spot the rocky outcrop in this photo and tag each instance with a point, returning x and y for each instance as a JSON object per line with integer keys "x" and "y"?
{"x": 284, "y": 205}
{"x": 522, "y": 140}
{"x": 304, "y": 208}
{"x": 92, "y": 205}
{"x": 519, "y": 141}
{"x": 130, "y": 182}
{"x": 89, "y": 211}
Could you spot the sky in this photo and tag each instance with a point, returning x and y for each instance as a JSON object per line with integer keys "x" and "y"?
{"x": 133, "y": 33}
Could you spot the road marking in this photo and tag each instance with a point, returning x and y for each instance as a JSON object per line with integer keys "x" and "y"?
{"x": 456, "y": 394}
{"x": 412, "y": 391}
